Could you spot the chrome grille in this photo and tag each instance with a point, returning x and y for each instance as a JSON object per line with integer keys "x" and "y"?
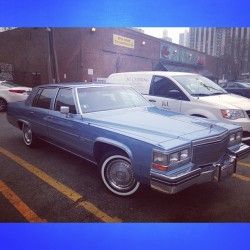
{"x": 205, "y": 154}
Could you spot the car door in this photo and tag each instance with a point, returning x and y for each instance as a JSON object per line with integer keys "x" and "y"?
{"x": 64, "y": 128}
{"x": 164, "y": 93}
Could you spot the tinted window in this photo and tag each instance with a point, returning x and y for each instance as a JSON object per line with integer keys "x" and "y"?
{"x": 163, "y": 87}
{"x": 43, "y": 98}
{"x": 223, "y": 85}
{"x": 65, "y": 98}
{"x": 232, "y": 85}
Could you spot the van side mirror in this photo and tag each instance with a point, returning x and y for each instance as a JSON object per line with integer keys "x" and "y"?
{"x": 176, "y": 94}
{"x": 64, "y": 110}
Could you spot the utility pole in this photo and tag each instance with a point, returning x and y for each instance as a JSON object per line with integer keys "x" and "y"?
{"x": 49, "y": 57}
{"x": 52, "y": 58}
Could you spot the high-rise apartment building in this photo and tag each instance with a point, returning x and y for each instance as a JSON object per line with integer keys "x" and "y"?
{"x": 184, "y": 38}
{"x": 233, "y": 42}
{"x": 165, "y": 36}
{"x": 218, "y": 41}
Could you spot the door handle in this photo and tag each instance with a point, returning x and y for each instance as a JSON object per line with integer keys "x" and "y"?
{"x": 151, "y": 100}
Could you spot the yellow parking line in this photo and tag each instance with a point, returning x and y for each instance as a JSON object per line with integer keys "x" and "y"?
{"x": 27, "y": 213}
{"x": 241, "y": 177}
{"x": 243, "y": 164}
{"x": 71, "y": 194}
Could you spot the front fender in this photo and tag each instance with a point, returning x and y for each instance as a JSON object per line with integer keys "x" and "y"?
{"x": 116, "y": 144}
{"x": 21, "y": 122}
{"x": 202, "y": 112}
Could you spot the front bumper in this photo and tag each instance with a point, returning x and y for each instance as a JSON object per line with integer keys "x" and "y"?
{"x": 191, "y": 175}
{"x": 240, "y": 150}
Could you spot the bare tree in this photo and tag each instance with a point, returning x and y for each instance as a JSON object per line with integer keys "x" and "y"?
{"x": 235, "y": 59}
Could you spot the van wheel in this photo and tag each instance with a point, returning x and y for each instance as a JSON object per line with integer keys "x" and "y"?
{"x": 117, "y": 174}
{"x": 3, "y": 105}
{"x": 29, "y": 138}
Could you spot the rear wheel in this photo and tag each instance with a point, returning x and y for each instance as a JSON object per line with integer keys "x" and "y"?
{"x": 117, "y": 174}
{"x": 3, "y": 105}
{"x": 29, "y": 138}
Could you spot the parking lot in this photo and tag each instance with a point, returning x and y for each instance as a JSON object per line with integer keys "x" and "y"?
{"x": 47, "y": 184}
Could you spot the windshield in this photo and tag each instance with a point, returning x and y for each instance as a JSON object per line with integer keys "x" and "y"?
{"x": 244, "y": 84}
{"x": 198, "y": 85}
{"x": 107, "y": 98}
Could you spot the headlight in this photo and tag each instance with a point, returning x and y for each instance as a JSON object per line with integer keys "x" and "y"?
{"x": 232, "y": 138}
{"x": 184, "y": 154}
{"x": 173, "y": 158}
{"x": 160, "y": 158}
{"x": 238, "y": 136}
{"x": 232, "y": 114}
{"x": 162, "y": 161}
{"x": 235, "y": 138}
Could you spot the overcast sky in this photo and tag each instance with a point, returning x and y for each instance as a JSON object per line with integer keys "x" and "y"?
{"x": 173, "y": 32}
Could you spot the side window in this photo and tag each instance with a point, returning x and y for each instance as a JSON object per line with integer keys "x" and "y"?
{"x": 164, "y": 87}
{"x": 231, "y": 85}
{"x": 65, "y": 98}
{"x": 43, "y": 98}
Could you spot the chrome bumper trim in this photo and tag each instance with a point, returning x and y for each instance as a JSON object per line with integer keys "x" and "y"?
{"x": 187, "y": 177}
{"x": 240, "y": 150}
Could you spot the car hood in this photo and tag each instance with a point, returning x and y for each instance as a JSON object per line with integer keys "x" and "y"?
{"x": 155, "y": 125}
{"x": 230, "y": 101}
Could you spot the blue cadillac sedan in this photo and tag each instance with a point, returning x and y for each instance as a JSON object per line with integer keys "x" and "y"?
{"x": 131, "y": 141}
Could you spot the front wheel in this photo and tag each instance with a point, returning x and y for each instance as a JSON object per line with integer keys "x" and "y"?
{"x": 29, "y": 138}
{"x": 117, "y": 174}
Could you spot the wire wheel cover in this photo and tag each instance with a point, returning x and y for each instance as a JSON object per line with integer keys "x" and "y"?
{"x": 120, "y": 175}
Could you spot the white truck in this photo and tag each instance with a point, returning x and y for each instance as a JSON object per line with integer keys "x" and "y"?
{"x": 189, "y": 93}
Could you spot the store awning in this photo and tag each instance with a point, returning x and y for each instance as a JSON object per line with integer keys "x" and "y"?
{"x": 165, "y": 66}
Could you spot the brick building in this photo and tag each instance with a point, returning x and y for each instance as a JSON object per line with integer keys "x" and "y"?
{"x": 46, "y": 55}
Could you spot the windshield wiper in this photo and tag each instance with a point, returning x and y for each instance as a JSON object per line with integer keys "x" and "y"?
{"x": 219, "y": 93}
{"x": 199, "y": 94}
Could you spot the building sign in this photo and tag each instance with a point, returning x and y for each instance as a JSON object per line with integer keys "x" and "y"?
{"x": 90, "y": 71}
{"x": 183, "y": 55}
{"x": 123, "y": 41}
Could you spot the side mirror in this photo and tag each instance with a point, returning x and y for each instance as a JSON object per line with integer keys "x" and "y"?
{"x": 175, "y": 94}
{"x": 64, "y": 110}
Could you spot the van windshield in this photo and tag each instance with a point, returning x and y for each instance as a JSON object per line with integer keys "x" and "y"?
{"x": 197, "y": 85}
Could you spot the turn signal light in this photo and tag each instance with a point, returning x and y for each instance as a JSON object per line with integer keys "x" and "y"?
{"x": 159, "y": 167}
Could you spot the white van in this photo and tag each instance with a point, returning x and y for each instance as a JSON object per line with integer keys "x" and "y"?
{"x": 189, "y": 93}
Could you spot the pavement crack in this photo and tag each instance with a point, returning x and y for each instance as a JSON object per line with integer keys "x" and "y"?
{"x": 80, "y": 200}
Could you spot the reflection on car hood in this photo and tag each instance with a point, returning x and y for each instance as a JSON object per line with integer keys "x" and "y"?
{"x": 156, "y": 125}
{"x": 231, "y": 101}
